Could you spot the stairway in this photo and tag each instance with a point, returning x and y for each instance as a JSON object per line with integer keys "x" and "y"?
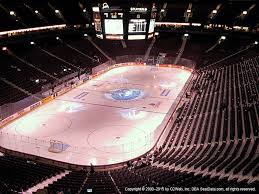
{"x": 180, "y": 53}
{"x": 149, "y": 49}
{"x": 46, "y": 182}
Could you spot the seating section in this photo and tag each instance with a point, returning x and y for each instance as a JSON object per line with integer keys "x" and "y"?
{"x": 22, "y": 75}
{"x": 197, "y": 46}
{"x": 154, "y": 176}
{"x": 47, "y": 63}
{"x": 166, "y": 43}
{"x": 216, "y": 125}
{"x": 70, "y": 183}
{"x": 44, "y": 63}
{"x": 87, "y": 48}
{"x": 213, "y": 141}
{"x": 223, "y": 99}
{"x": 99, "y": 182}
{"x": 9, "y": 94}
{"x": 83, "y": 181}
{"x": 115, "y": 48}
{"x": 117, "y": 181}
{"x": 218, "y": 51}
{"x": 20, "y": 174}
{"x": 65, "y": 51}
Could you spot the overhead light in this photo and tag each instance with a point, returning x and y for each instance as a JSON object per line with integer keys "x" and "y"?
{"x": 36, "y": 11}
{"x": 223, "y": 37}
{"x": 57, "y": 38}
{"x": 56, "y": 11}
{"x": 162, "y": 10}
{"x": 256, "y": 42}
{"x": 84, "y": 10}
{"x": 85, "y": 34}
{"x": 214, "y": 11}
{"x": 32, "y": 43}
{"x": 37, "y": 80}
{"x": 189, "y": 11}
{"x": 4, "y": 48}
{"x": 65, "y": 70}
{"x": 244, "y": 12}
{"x": 12, "y": 13}
{"x": 186, "y": 35}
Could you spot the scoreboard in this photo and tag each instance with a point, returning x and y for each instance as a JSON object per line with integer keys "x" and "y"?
{"x": 133, "y": 23}
{"x": 141, "y": 23}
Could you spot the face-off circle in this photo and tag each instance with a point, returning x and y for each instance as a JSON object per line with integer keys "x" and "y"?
{"x": 118, "y": 141}
{"x": 124, "y": 94}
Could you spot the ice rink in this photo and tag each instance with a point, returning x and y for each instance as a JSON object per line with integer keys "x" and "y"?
{"x": 109, "y": 119}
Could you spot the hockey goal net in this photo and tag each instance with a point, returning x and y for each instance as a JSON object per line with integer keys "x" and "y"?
{"x": 56, "y": 146}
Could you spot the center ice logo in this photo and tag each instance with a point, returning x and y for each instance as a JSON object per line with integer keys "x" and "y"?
{"x": 124, "y": 94}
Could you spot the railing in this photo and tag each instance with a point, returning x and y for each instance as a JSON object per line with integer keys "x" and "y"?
{"x": 153, "y": 60}
{"x": 73, "y": 154}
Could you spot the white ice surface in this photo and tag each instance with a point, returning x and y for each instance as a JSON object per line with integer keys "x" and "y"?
{"x": 97, "y": 129}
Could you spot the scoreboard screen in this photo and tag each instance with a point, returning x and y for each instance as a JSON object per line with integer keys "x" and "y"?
{"x": 113, "y": 23}
{"x": 113, "y": 26}
{"x": 151, "y": 26}
{"x": 137, "y": 25}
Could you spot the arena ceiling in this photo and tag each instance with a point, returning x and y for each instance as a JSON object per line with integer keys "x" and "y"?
{"x": 16, "y": 14}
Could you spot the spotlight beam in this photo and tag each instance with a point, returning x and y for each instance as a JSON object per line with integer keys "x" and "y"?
{"x": 213, "y": 14}
{"x": 39, "y": 15}
{"x": 57, "y": 13}
{"x": 14, "y": 17}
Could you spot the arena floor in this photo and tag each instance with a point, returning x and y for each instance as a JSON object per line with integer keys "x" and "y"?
{"x": 110, "y": 119}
